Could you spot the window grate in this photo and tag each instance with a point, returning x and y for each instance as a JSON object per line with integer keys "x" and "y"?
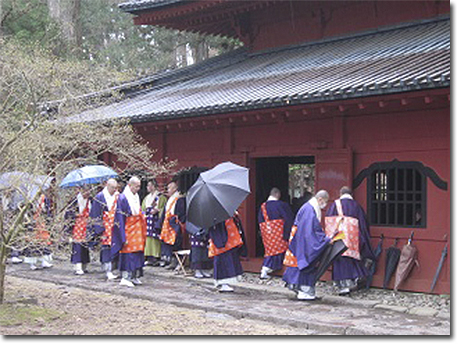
{"x": 397, "y": 196}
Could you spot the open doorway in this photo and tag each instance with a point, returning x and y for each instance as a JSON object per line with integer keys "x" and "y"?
{"x": 294, "y": 176}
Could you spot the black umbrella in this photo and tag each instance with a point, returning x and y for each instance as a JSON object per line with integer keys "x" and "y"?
{"x": 392, "y": 259}
{"x": 217, "y": 194}
{"x": 372, "y": 268}
{"x": 331, "y": 252}
{"x": 441, "y": 262}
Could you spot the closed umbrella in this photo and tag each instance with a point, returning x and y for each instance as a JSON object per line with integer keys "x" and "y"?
{"x": 408, "y": 258}
{"x": 438, "y": 270}
{"x": 331, "y": 253}
{"x": 217, "y": 194}
{"x": 372, "y": 268}
{"x": 392, "y": 259}
{"x": 89, "y": 174}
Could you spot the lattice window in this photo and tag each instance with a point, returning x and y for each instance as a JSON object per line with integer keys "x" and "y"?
{"x": 397, "y": 195}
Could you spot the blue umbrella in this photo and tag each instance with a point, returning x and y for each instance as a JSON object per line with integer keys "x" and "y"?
{"x": 89, "y": 174}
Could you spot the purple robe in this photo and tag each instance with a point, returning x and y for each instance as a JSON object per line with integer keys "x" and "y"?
{"x": 227, "y": 264}
{"x": 308, "y": 244}
{"x": 198, "y": 258}
{"x": 99, "y": 206}
{"x": 127, "y": 261}
{"x": 346, "y": 267}
{"x": 277, "y": 210}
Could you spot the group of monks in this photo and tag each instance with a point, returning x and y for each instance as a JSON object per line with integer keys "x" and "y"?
{"x": 299, "y": 243}
{"x": 131, "y": 234}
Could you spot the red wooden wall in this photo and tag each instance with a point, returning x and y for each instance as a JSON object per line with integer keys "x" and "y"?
{"x": 294, "y": 22}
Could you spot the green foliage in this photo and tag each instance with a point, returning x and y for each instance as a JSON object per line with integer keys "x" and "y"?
{"x": 109, "y": 37}
{"x": 28, "y": 21}
{"x": 17, "y": 314}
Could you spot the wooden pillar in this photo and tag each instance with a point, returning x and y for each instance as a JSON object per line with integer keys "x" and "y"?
{"x": 249, "y": 216}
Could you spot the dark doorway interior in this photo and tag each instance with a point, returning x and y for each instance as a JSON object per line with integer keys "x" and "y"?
{"x": 278, "y": 172}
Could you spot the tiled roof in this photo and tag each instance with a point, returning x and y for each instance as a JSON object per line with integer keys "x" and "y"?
{"x": 141, "y": 5}
{"x": 400, "y": 59}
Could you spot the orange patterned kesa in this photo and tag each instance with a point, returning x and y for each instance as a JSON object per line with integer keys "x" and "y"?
{"x": 349, "y": 226}
{"x": 108, "y": 220}
{"x": 42, "y": 234}
{"x": 234, "y": 240}
{"x": 168, "y": 233}
{"x": 136, "y": 233}
{"x": 80, "y": 226}
{"x": 272, "y": 234}
{"x": 289, "y": 259}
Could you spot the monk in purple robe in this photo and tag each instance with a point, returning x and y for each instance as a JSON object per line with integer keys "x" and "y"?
{"x": 275, "y": 219}
{"x": 307, "y": 243}
{"x": 347, "y": 271}
{"x": 102, "y": 216}
{"x": 129, "y": 234}
{"x": 225, "y": 241}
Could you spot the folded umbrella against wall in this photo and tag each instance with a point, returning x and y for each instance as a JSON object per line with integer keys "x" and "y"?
{"x": 217, "y": 194}
{"x": 392, "y": 259}
{"x": 89, "y": 174}
{"x": 372, "y": 268}
{"x": 408, "y": 258}
{"x": 441, "y": 262}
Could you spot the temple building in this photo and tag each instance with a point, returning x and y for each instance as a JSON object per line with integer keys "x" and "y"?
{"x": 357, "y": 90}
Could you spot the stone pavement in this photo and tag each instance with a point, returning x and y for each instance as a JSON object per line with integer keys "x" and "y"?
{"x": 331, "y": 315}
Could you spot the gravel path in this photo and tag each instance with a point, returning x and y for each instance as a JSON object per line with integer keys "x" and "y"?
{"x": 388, "y": 297}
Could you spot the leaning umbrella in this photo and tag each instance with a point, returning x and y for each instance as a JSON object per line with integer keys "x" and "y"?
{"x": 372, "y": 268}
{"x": 217, "y": 194}
{"x": 89, "y": 174}
{"x": 408, "y": 258}
{"x": 441, "y": 262}
{"x": 392, "y": 259}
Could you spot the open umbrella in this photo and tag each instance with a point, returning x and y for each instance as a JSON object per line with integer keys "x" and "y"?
{"x": 372, "y": 268}
{"x": 23, "y": 185}
{"x": 392, "y": 259}
{"x": 217, "y": 194}
{"x": 408, "y": 258}
{"x": 89, "y": 174}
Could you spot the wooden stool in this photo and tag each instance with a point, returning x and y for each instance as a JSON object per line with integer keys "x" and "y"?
{"x": 181, "y": 256}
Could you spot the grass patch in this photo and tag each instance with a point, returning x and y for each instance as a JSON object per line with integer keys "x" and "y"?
{"x": 16, "y": 314}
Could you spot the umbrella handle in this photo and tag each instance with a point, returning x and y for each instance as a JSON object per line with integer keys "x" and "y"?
{"x": 411, "y": 238}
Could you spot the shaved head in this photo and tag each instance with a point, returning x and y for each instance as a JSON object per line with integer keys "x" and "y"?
{"x": 112, "y": 186}
{"x": 134, "y": 184}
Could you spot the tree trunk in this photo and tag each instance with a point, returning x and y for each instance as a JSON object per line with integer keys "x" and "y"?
{"x": 66, "y": 13}
{"x": 3, "y": 252}
{"x": 200, "y": 51}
